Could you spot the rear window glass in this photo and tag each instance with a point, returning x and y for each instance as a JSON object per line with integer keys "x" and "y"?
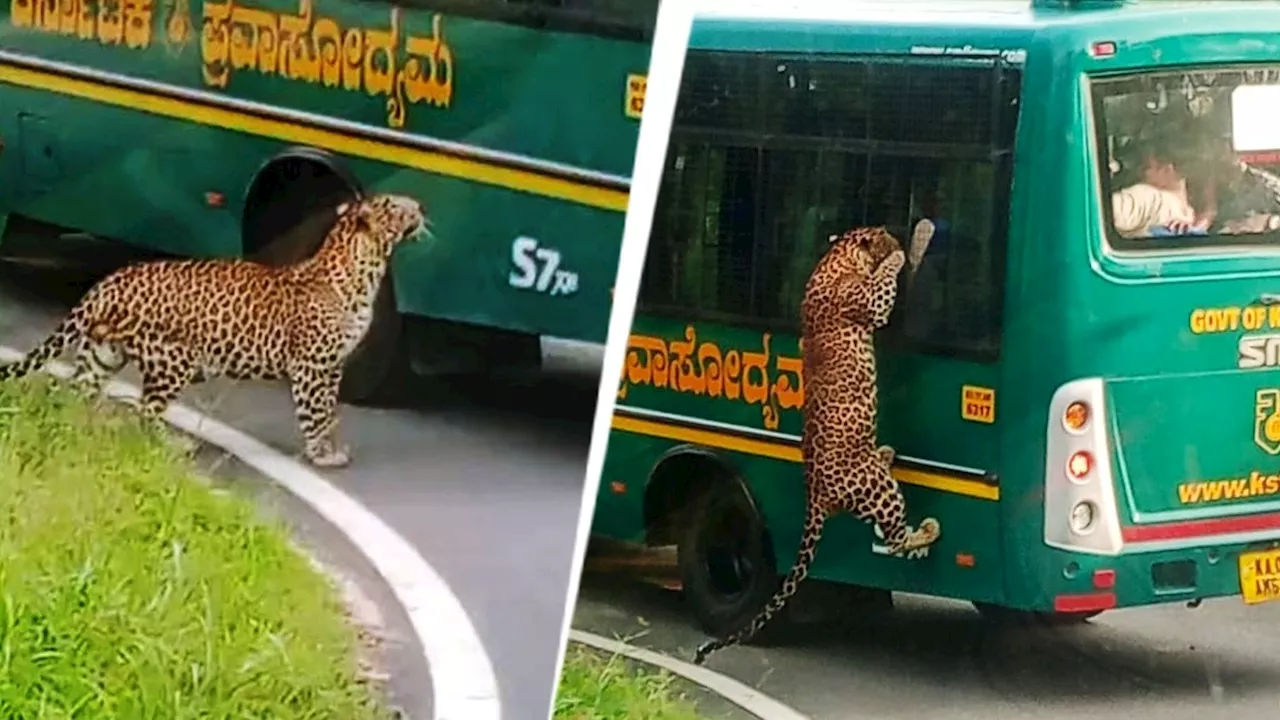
{"x": 1190, "y": 158}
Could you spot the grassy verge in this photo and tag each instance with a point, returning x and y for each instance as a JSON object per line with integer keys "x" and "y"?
{"x": 129, "y": 589}
{"x": 598, "y": 686}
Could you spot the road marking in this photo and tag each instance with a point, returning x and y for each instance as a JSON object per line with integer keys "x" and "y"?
{"x": 463, "y": 685}
{"x": 753, "y": 701}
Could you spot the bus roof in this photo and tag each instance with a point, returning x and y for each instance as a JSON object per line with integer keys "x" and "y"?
{"x": 823, "y": 25}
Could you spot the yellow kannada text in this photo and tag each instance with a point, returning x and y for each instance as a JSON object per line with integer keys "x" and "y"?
{"x": 1206, "y": 321}
{"x": 774, "y": 382}
{"x": 109, "y": 22}
{"x": 315, "y": 50}
{"x": 312, "y": 49}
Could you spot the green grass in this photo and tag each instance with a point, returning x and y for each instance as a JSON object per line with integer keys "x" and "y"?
{"x": 128, "y": 589}
{"x": 598, "y": 686}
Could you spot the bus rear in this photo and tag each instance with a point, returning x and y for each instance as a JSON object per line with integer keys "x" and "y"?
{"x": 1162, "y": 462}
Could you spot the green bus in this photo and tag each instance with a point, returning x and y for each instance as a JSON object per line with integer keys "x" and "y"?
{"x": 1085, "y": 396}
{"x": 207, "y": 128}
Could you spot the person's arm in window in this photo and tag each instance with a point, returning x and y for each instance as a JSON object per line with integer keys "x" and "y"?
{"x": 1133, "y": 208}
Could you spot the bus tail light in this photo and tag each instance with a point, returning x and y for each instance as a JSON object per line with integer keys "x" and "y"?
{"x": 1081, "y": 514}
{"x": 1079, "y": 465}
{"x": 1076, "y": 417}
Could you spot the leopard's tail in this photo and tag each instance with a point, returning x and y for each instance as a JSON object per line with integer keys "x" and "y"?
{"x": 67, "y": 332}
{"x": 815, "y": 519}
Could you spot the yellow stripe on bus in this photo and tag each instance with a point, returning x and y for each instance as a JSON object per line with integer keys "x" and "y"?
{"x": 426, "y": 160}
{"x": 791, "y": 453}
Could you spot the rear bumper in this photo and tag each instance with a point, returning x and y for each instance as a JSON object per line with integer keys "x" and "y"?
{"x": 1138, "y": 578}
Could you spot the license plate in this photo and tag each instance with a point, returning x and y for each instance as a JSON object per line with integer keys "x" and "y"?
{"x": 1260, "y": 576}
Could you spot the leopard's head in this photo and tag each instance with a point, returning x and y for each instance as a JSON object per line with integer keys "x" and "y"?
{"x": 863, "y": 248}
{"x": 387, "y": 218}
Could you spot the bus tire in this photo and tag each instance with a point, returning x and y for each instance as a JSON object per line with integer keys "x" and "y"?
{"x": 998, "y": 615}
{"x": 379, "y": 362}
{"x": 727, "y": 566}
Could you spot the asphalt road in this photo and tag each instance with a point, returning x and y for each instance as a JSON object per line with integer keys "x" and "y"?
{"x": 485, "y": 478}
{"x": 932, "y": 658}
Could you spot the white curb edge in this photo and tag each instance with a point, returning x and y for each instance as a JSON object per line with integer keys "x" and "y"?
{"x": 753, "y": 701}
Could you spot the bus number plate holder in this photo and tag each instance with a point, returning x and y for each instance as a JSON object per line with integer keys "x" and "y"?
{"x": 1260, "y": 576}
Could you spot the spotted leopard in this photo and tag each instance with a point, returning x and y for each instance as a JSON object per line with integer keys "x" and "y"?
{"x": 849, "y": 295}
{"x": 186, "y": 321}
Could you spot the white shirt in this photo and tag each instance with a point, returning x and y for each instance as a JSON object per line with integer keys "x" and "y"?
{"x": 1139, "y": 207}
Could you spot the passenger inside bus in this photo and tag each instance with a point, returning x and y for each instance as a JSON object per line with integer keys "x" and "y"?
{"x": 1158, "y": 203}
{"x": 1244, "y": 195}
{"x": 1182, "y": 175}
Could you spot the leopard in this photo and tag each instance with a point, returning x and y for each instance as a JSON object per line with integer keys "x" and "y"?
{"x": 186, "y": 321}
{"x": 850, "y": 294}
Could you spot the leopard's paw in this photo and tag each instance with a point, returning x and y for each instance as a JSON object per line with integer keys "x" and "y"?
{"x": 887, "y": 454}
{"x": 334, "y": 456}
{"x": 927, "y": 533}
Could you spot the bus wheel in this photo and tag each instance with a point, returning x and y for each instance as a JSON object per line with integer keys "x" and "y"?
{"x": 1008, "y": 616}
{"x": 379, "y": 360}
{"x": 726, "y": 561}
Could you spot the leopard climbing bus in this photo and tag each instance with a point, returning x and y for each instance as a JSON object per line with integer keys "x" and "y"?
{"x": 212, "y": 129}
{"x": 1079, "y": 378}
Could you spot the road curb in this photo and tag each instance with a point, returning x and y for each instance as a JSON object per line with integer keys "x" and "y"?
{"x": 747, "y": 698}
{"x": 462, "y": 679}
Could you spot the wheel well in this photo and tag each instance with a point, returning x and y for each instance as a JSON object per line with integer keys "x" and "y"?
{"x": 314, "y": 176}
{"x": 677, "y": 480}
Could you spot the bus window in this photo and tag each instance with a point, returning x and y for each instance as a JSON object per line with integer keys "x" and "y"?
{"x": 770, "y": 155}
{"x": 1189, "y": 158}
{"x": 705, "y": 225}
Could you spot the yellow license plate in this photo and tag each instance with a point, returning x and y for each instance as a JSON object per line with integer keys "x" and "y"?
{"x": 1260, "y": 576}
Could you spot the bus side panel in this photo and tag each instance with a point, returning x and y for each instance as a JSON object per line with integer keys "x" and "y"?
{"x": 530, "y": 252}
{"x": 551, "y": 95}
{"x": 958, "y": 567}
{"x": 12, "y": 171}
{"x": 1046, "y": 250}
{"x": 964, "y": 564}
{"x": 733, "y": 390}
{"x": 124, "y": 175}
{"x": 144, "y": 181}
{"x": 507, "y": 259}
{"x": 619, "y": 507}
{"x": 936, "y": 409}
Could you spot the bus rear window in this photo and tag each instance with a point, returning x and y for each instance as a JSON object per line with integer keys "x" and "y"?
{"x": 1190, "y": 158}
